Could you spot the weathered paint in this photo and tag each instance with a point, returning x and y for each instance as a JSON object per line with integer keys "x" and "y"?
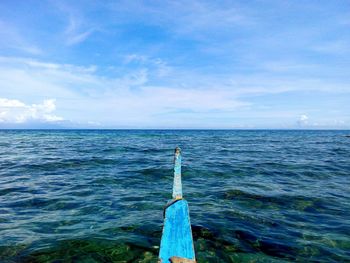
{"x": 177, "y": 235}
{"x": 177, "y": 187}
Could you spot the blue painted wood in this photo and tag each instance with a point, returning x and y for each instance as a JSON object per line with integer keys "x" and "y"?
{"x": 177, "y": 235}
{"x": 177, "y": 187}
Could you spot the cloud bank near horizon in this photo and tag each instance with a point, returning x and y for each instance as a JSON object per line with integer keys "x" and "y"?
{"x": 15, "y": 111}
{"x": 131, "y": 65}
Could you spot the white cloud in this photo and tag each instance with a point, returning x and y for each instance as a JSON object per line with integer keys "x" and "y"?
{"x": 139, "y": 95}
{"x": 303, "y": 120}
{"x": 6, "y": 103}
{"x": 87, "y": 96}
{"x": 322, "y": 123}
{"x": 15, "y": 111}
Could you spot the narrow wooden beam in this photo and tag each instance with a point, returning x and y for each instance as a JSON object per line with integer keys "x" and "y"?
{"x": 177, "y": 187}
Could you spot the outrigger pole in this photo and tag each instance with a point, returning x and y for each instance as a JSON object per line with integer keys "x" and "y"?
{"x": 177, "y": 187}
{"x": 176, "y": 245}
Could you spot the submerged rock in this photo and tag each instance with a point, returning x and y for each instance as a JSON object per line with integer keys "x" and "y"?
{"x": 91, "y": 251}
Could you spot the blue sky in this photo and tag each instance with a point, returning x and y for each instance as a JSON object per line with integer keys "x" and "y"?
{"x": 175, "y": 64}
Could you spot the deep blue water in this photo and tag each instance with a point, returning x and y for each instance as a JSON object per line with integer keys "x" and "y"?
{"x": 98, "y": 196}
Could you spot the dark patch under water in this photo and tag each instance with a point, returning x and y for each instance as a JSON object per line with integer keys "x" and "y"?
{"x": 98, "y": 196}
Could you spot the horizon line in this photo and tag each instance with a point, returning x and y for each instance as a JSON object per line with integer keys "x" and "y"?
{"x": 181, "y": 129}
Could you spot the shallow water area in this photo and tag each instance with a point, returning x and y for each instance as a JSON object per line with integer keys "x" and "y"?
{"x": 98, "y": 195}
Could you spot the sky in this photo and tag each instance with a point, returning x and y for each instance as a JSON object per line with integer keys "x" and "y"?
{"x": 175, "y": 64}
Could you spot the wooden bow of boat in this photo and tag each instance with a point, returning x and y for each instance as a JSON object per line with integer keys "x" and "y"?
{"x": 177, "y": 243}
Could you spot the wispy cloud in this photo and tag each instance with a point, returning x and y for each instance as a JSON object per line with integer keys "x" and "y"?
{"x": 131, "y": 99}
{"x": 12, "y": 38}
{"x": 77, "y": 37}
{"x": 127, "y": 97}
{"x": 78, "y": 28}
{"x": 339, "y": 47}
{"x": 196, "y": 20}
{"x": 159, "y": 66}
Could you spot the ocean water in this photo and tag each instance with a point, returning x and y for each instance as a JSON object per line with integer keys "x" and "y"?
{"x": 98, "y": 195}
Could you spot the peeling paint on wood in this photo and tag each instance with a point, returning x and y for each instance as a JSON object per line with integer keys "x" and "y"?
{"x": 177, "y": 243}
{"x": 177, "y": 187}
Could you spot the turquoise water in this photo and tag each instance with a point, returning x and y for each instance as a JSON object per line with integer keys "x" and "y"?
{"x": 98, "y": 196}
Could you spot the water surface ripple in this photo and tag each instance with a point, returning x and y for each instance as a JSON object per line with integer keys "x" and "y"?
{"x": 97, "y": 196}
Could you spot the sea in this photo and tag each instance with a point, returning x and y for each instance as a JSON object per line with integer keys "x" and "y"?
{"x": 98, "y": 195}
